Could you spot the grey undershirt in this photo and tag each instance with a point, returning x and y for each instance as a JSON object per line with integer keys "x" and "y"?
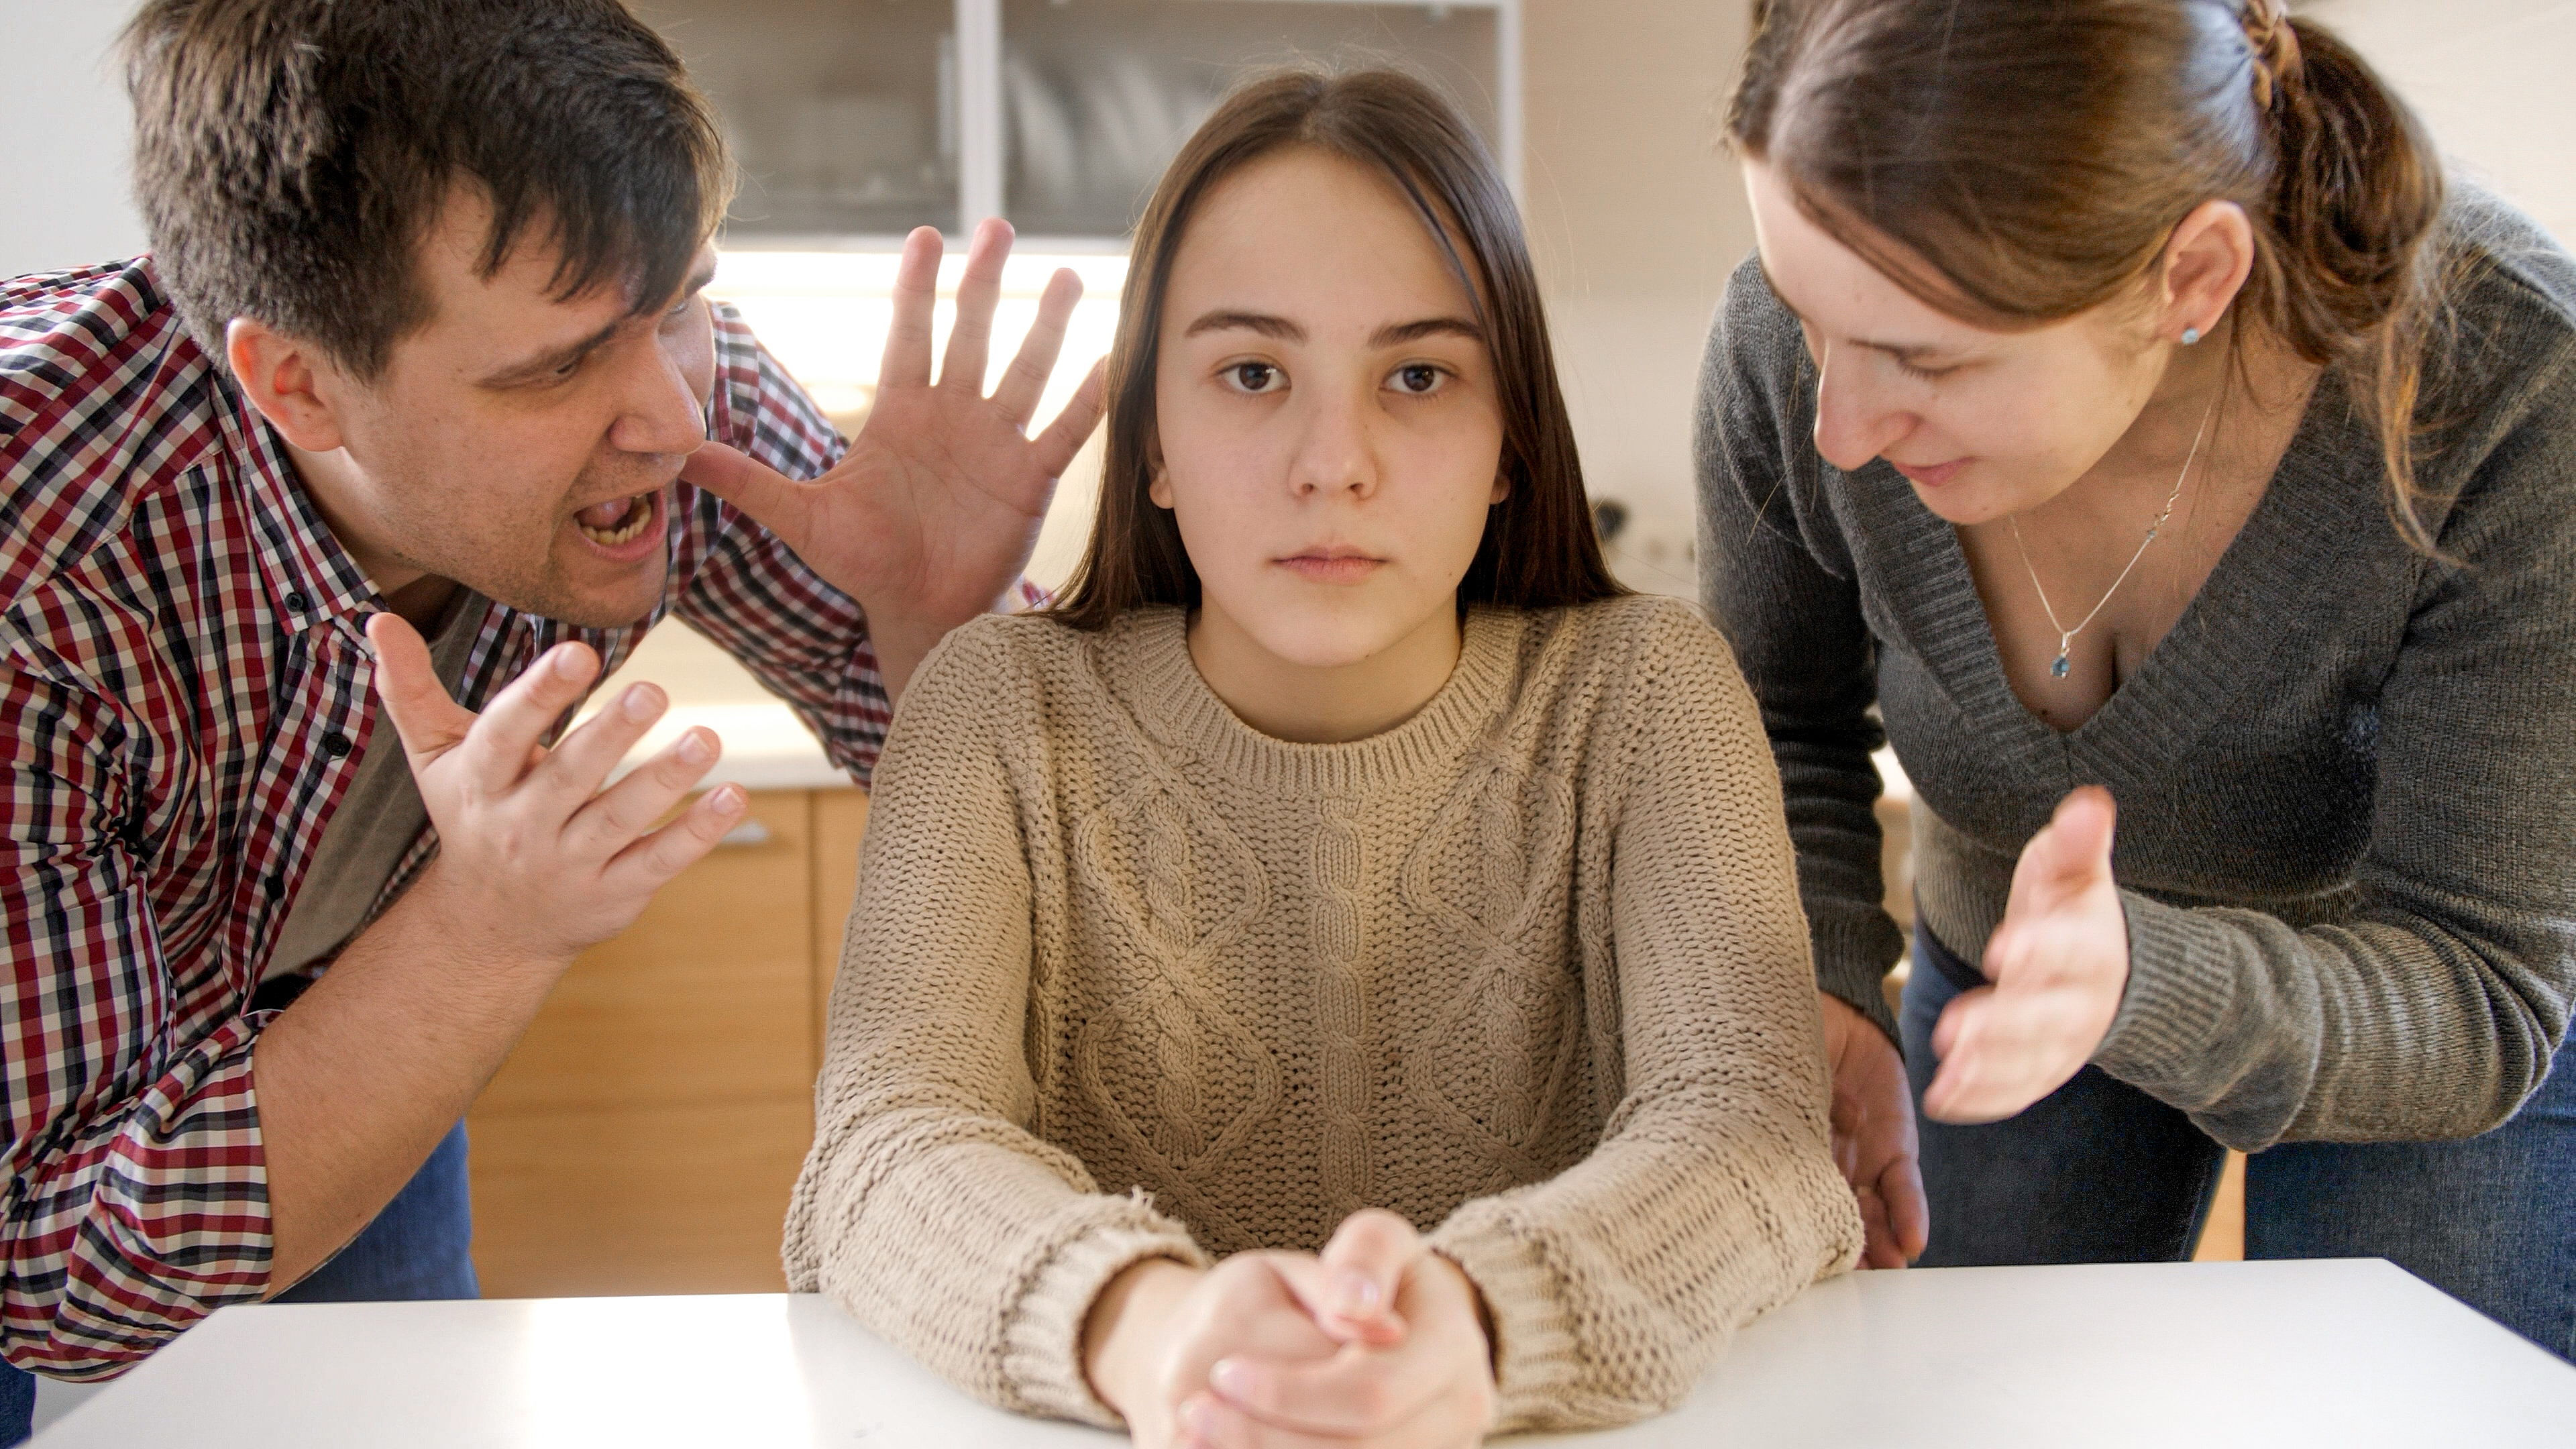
{"x": 2346, "y": 777}
{"x": 378, "y": 819}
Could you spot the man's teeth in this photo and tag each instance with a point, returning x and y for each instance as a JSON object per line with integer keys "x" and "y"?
{"x": 639, "y": 516}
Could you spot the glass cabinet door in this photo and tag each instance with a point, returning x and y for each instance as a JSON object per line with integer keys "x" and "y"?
{"x": 1097, "y": 95}
{"x": 842, "y": 114}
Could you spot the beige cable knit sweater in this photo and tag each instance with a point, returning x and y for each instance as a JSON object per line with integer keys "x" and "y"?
{"x": 1125, "y": 978}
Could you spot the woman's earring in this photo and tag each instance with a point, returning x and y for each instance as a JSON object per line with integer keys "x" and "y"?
{"x": 2190, "y": 335}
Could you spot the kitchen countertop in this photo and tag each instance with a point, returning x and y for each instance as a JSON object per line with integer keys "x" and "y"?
{"x": 2350, "y": 1354}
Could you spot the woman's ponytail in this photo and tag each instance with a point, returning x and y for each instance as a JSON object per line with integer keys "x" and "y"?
{"x": 2354, "y": 275}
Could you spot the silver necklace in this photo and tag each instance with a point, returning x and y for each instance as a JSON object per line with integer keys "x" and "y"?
{"x": 2066, "y": 637}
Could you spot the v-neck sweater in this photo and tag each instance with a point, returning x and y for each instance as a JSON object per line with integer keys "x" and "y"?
{"x": 2346, "y": 777}
{"x": 1127, "y": 978}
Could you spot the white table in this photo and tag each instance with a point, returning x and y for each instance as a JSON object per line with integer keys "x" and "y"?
{"x": 2323, "y": 1353}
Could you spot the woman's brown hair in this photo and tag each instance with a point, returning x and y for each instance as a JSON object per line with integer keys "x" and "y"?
{"x": 1539, "y": 548}
{"x": 2037, "y": 154}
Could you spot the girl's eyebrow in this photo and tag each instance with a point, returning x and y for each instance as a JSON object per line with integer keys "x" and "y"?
{"x": 1394, "y": 334}
{"x": 1262, "y": 322}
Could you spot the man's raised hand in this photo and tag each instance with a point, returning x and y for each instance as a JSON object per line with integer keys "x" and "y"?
{"x": 536, "y": 861}
{"x": 933, "y": 512}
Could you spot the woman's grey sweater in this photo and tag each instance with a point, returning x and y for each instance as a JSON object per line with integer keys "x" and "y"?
{"x": 2346, "y": 778}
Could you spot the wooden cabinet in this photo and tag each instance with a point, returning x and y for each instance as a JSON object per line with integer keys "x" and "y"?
{"x": 645, "y": 1134}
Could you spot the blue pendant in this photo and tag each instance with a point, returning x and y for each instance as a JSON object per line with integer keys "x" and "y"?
{"x": 2059, "y": 668}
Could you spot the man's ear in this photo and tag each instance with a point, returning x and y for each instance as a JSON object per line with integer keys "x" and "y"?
{"x": 289, "y": 381}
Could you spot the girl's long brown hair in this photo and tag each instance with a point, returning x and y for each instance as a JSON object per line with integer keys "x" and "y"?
{"x": 1539, "y": 548}
{"x": 2036, "y": 154}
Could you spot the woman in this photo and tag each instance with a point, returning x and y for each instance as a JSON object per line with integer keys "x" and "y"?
{"x": 2123, "y": 405}
{"x": 1348, "y": 863}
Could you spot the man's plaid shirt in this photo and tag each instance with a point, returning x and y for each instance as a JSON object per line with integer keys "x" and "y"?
{"x": 184, "y": 689}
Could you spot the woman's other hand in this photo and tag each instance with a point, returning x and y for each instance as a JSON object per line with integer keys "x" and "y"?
{"x": 1874, "y": 1139}
{"x": 1413, "y": 1370}
{"x": 2059, "y": 964}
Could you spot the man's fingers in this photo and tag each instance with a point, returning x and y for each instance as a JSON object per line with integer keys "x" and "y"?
{"x": 426, "y": 721}
{"x": 1025, "y": 382}
{"x": 916, "y": 296}
{"x": 769, "y": 496}
{"x": 614, "y": 818}
{"x": 651, "y": 862}
{"x": 979, "y": 291}
{"x": 504, "y": 742}
{"x": 1065, "y": 436}
{"x": 580, "y": 763}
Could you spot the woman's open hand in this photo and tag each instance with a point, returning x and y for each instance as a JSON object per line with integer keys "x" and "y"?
{"x": 2059, "y": 963}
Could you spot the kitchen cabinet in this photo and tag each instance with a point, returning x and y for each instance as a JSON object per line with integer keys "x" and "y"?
{"x": 645, "y": 1134}
{"x": 857, "y": 120}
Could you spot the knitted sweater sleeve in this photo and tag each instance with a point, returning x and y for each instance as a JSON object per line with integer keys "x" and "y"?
{"x": 2463, "y": 953}
{"x": 1713, "y": 1194}
{"x": 928, "y": 1207}
{"x": 1775, "y": 577}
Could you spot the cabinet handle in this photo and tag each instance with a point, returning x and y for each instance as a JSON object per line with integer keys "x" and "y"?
{"x": 749, "y": 832}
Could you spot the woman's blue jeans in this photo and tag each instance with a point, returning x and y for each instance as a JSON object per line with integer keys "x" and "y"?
{"x": 2100, "y": 1172}
{"x": 416, "y": 1248}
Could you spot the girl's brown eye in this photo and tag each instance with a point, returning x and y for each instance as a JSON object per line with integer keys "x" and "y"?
{"x": 1419, "y": 378}
{"x": 1254, "y": 376}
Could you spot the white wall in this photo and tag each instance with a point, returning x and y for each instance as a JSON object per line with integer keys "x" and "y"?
{"x": 64, "y": 170}
{"x": 2491, "y": 79}
{"x": 1635, "y": 217}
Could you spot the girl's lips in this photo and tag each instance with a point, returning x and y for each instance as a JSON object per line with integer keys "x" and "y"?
{"x": 1316, "y": 568}
{"x": 1929, "y": 477}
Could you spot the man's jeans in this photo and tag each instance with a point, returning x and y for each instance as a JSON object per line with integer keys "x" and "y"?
{"x": 416, "y": 1248}
{"x": 2100, "y": 1172}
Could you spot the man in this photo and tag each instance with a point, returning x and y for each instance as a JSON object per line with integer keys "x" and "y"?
{"x": 419, "y": 358}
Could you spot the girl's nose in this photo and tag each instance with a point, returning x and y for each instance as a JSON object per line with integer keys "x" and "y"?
{"x": 1337, "y": 453}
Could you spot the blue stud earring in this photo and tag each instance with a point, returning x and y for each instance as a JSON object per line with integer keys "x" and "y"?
{"x": 2190, "y": 335}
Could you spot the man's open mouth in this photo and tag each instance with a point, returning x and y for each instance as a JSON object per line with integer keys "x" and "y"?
{"x": 618, "y": 521}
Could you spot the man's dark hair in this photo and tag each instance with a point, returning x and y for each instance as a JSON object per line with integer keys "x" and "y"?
{"x": 289, "y": 155}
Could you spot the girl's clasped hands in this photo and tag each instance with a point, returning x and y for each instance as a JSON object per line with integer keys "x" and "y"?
{"x": 1377, "y": 1341}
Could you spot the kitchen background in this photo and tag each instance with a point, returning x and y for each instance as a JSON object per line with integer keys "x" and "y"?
{"x": 643, "y": 1138}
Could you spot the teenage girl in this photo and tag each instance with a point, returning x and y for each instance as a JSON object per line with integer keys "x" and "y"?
{"x": 1338, "y": 977}
{"x": 2125, "y": 405}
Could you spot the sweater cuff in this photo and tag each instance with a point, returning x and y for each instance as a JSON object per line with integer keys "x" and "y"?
{"x": 1535, "y": 1353}
{"x": 1853, "y": 953}
{"x": 2178, "y": 994}
{"x": 1042, "y": 1345}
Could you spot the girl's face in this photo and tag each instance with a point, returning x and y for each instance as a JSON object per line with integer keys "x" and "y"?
{"x": 1329, "y": 436}
{"x": 1983, "y": 424}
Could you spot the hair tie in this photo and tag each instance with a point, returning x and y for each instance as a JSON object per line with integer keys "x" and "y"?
{"x": 2275, "y": 44}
